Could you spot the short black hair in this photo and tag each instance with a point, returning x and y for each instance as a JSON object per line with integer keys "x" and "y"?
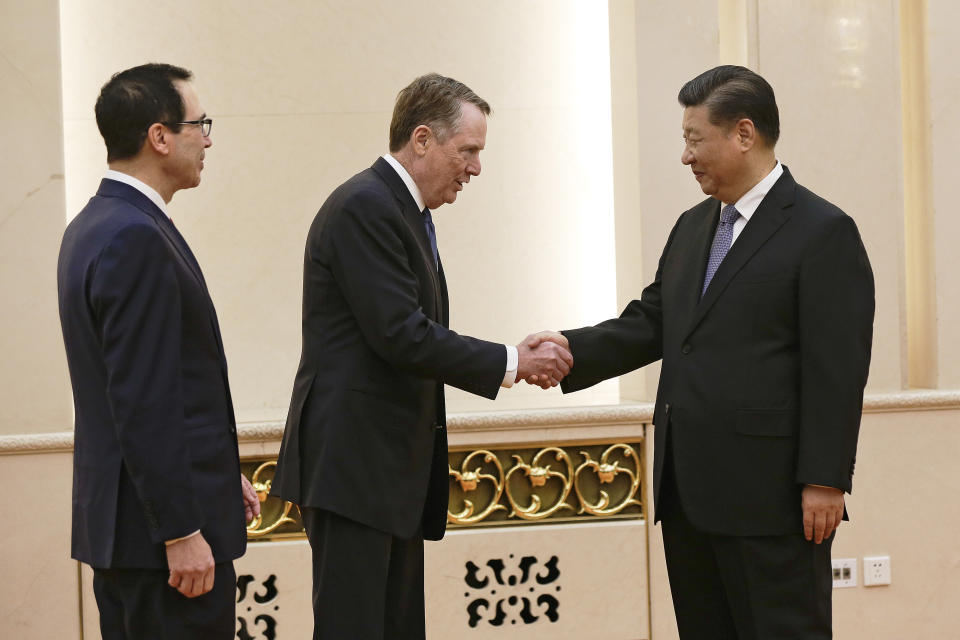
{"x": 134, "y": 99}
{"x": 731, "y": 93}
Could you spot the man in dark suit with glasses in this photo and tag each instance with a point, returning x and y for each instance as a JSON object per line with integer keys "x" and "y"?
{"x": 159, "y": 503}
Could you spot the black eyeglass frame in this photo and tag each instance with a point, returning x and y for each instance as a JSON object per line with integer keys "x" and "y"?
{"x": 206, "y": 124}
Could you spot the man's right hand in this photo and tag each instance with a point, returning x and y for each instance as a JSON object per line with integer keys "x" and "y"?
{"x": 543, "y": 361}
{"x": 191, "y": 566}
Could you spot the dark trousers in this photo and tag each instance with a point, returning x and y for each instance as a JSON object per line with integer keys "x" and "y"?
{"x": 743, "y": 587}
{"x": 367, "y": 584}
{"x": 138, "y": 604}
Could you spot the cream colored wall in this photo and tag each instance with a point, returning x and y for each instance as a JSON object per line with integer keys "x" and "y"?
{"x": 301, "y": 100}
{"x": 904, "y": 505}
{"x": 834, "y": 67}
{"x": 35, "y": 394}
{"x": 40, "y": 592}
{"x": 943, "y": 42}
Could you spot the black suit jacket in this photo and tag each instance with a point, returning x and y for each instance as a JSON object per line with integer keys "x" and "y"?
{"x": 762, "y": 380}
{"x": 155, "y": 448}
{"x": 365, "y": 435}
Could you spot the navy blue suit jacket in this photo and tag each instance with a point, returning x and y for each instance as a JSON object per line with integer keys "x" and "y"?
{"x": 155, "y": 449}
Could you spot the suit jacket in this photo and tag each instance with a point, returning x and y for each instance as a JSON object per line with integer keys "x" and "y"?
{"x": 761, "y": 386}
{"x": 155, "y": 448}
{"x": 365, "y": 435}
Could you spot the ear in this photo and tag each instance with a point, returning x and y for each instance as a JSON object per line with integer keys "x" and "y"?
{"x": 159, "y": 138}
{"x": 421, "y": 138}
{"x": 746, "y": 134}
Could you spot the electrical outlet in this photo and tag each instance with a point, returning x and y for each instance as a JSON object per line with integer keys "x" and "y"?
{"x": 844, "y": 572}
{"x": 876, "y": 571}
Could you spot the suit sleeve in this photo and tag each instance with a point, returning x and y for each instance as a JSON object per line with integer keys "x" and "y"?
{"x": 836, "y": 307}
{"x": 136, "y": 298}
{"x": 370, "y": 263}
{"x": 620, "y": 345}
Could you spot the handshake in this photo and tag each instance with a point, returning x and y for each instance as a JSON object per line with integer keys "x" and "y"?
{"x": 544, "y": 359}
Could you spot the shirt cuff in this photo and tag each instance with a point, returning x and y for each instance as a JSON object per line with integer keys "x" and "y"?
{"x": 170, "y": 542}
{"x": 513, "y": 361}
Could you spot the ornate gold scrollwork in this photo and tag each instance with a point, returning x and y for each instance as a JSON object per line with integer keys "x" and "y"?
{"x": 538, "y": 475}
{"x": 606, "y": 472}
{"x": 468, "y": 482}
{"x": 262, "y": 487}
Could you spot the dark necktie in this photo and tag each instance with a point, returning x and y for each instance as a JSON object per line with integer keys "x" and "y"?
{"x": 721, "y": 243}
{"x": 431, "y": 236}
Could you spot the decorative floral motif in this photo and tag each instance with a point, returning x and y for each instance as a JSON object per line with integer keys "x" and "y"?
{"x": 264, "y": 625}
{"x": 607, "y": 473}
{"x": 469, "y": 480}
{"x": 510, "y": 595}
{"x": 538, "y": 475}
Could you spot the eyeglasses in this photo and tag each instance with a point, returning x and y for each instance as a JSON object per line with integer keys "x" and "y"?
{"x": 205, "y": 125}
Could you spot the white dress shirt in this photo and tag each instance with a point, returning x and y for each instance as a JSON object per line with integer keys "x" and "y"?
{"x": 748, "y": 202}
{"x": 140, "y": 186}
{"x": 513, "y": 358}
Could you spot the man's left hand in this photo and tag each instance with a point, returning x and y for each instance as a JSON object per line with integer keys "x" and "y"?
{"x": 251, "y": 501}
{"x": 822, "y": 511}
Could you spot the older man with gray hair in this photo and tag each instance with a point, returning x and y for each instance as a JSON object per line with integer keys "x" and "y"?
{"x": 364, "y": 453}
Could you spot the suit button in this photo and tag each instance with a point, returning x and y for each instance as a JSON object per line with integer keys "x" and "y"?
{"x": 685, "y": 349}
{"x": 233, "y": 430}
{"x": 666, "y": 408}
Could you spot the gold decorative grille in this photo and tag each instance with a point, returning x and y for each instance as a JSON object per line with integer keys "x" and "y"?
{"x": 575, "y": 482}
{"x": 523, "y": 485}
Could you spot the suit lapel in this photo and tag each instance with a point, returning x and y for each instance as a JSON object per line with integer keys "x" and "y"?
{"x": 691, "y": 278}
{"x": 414, "y": 219}
{"x": 114, "y": 189}
{"x": 773, "y": 211}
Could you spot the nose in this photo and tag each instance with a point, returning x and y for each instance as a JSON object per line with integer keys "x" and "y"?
{"x": 473, "y": 167}
{"x": 686, "y": 157}
{"x": 207, "y": 142}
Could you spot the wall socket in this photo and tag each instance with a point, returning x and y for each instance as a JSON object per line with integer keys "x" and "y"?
{"x": 845, "y": 572}
{"x": 876, "y": 571}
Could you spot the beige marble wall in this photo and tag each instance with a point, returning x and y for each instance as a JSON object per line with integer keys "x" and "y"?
{"x": 903, "y": 505}
{"x": 601, "y": 569}
{"x": 666, "y": 187}
{"x": 943, "y": 43}
{"x": 835, "y": 69}
{"x": 39, "y": 595}
{"x": 301, "y": 100}
{"x": 34, "y": 390}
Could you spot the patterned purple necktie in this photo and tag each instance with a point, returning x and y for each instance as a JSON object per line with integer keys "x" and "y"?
{"x": 721, "y": 243}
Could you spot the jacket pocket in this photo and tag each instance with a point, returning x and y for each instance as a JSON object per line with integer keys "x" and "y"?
{"x": 775, "y": 423}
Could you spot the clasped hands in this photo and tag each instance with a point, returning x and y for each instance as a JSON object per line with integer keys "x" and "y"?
{"x": 544, "y": 359}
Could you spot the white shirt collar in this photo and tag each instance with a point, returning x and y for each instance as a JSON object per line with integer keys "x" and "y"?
{"x": 140, "y": 186}
{"x": 748, "y": 202}
{"x": 407, "y": 180}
